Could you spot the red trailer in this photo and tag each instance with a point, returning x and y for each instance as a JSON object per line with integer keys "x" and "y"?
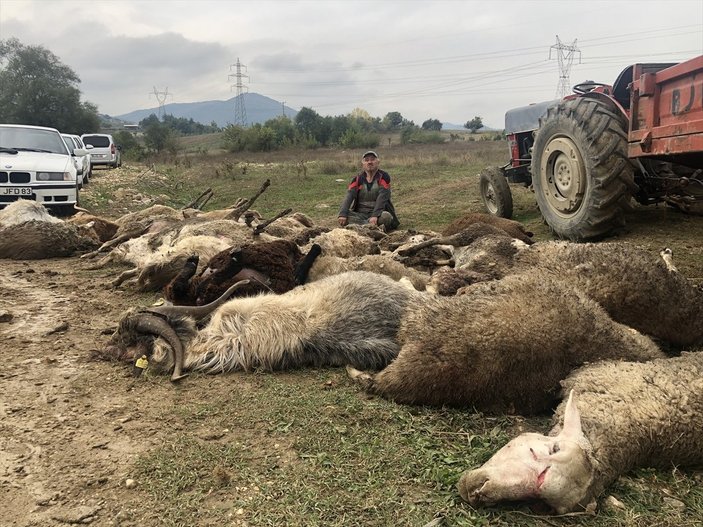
{"x": 667, "y": 111}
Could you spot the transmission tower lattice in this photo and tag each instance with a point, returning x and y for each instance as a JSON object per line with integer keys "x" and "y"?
{"x": 565, "y": 56}
{"x": 161, "y": 97}
{"x": 240, "y": 111}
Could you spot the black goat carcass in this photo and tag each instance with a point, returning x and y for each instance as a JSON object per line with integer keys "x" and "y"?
{"x": 276, "y": 266}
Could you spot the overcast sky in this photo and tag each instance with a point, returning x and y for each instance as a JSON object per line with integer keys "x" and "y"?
{"x": 446, "y": 60}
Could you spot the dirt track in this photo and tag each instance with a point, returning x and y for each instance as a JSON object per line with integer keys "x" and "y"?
{"x": 69, "y": 427}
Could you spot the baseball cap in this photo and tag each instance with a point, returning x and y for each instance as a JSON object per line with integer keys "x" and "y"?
{"x": 370, "y": 153}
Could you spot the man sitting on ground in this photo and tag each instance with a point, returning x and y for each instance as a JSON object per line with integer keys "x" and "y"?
{"x": 368, "y": 198}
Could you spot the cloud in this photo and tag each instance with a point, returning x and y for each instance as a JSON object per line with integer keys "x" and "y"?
{"x": 444, "y": 59}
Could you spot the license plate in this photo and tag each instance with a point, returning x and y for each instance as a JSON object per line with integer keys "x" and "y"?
{"x": 99, "y": 156}
{"x": 16, "y": 191}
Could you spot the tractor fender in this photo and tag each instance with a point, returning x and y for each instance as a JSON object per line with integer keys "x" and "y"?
{"x": 610, "y": 102}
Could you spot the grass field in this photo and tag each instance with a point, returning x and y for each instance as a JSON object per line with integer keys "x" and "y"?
{"x": 306, "y": 448}
{"x": 431, "y": 184}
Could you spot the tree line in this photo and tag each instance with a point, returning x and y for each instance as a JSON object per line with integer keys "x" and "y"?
{"x": 37, "y": 89}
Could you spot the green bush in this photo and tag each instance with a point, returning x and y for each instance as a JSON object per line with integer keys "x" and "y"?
{"x": 414, "y": 135}
{"x": 353, "y": 138}
{"x": 131, "y": 148}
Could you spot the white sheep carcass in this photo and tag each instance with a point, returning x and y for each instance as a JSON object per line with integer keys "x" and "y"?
{"x": 618, "y": 416}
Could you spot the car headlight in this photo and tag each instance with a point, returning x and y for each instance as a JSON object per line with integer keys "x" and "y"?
{"x": 54, "y": 176}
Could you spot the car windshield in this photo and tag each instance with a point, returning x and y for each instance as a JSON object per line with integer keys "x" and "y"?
{"x": 31, "y": 140}
{"x": 98, "y": 141}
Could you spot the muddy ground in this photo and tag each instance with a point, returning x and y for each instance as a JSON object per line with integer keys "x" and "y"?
{"x": 71, "y": 428}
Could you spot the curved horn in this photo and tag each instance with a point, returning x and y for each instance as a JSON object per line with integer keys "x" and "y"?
{"x": 197, "y": 312}
{"x": 157, "y": 326}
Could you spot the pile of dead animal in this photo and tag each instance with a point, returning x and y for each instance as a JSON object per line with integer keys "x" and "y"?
{"x": 477, "y": 316}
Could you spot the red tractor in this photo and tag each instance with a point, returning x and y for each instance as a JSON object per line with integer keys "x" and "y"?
{"x": 588, "y": 154}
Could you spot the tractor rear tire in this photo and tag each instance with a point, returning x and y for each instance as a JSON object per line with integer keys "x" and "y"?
{"x": 582, "y": 177}
{"x": 495, "y": 192}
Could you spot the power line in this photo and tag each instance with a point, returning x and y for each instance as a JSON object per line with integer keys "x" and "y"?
{"x": 490, "y": 55}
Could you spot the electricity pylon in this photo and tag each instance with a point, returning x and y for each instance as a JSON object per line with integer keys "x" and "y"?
{"x": 240, "y": 111}
{"x": 565, "y": 56}
{"x": 161, "y": 97}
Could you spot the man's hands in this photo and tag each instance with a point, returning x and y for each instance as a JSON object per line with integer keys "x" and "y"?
{"x": 373, "y": 220}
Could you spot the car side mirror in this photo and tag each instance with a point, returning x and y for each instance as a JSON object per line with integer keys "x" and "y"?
{"x": 80, "y": 152}
{"x": 89, "y": 147}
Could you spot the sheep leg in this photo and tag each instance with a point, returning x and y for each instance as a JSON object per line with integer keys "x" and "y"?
{"x": 123, "y": 238}
{"x": 196, "y": 203}
{"x": 124, "y": 276}
{"x": 667, "y": 256}
{"x": 303, "y": 267}
{"x": 239, "y": 210}
{"x": 360, "y": 377}
{"x": 410, "y": 251}
{"x": 262, "y": 226}
{"x": 179, "y": 290}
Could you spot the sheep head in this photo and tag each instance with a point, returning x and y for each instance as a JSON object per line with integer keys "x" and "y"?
{"x": 557, "y": 470}
{"x": 161, "y": 333}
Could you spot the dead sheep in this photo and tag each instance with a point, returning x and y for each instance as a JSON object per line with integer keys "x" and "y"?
{"x": 134, "y": 224}
{"x": 277, "y": 266}
{"x": 376, "y": 263}
{"x": 233, "y": 230}
{"x": 351, "y": 318}
{"x": 157, "y": 258}
{"x": 635, "y": 287}
{"x": 345, "y": 243}
{"x": 29, "y": 232}
{"x": 502, "y": 348}
{"x": 397, "y": 239}
{"x": 513, "y": 228}
{"x": 488, "y": 254}
{"x": 150, "y": 270}
{"x": 23, "y": 211}
{"x": 479, "y": 261}
{"x": 447, "y": 281}
{"x": 297, "y": 228}
{"x": 102, "y": 228}
{"x": 619, "y": 416}
{"x": 455, "y": 249}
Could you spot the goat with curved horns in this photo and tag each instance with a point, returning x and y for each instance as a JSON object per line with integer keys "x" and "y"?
{"x": 350, "y": 318}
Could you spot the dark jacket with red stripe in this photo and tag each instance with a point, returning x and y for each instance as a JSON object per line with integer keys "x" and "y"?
{"x": 383, "y": 201}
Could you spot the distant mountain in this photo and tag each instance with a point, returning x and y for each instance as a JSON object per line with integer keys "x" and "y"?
{"x": 259, "y": 109}
{"x": 452, "y": 126}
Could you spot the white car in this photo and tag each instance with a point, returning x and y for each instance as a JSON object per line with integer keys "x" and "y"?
{"x": 83, "y": 167}
{"x": 105, "y": 151}
{"x": 35, "y": 164}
